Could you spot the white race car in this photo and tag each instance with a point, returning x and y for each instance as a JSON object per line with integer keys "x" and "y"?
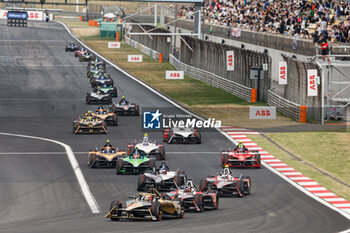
{"x": 148, "y": 148}
{"x": 181, "y": 135}
{"x": 98, "y": 98}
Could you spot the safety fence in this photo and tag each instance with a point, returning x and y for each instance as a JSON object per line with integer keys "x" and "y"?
{"x": 144, "y": 49}
{"x": 212, "y": 79}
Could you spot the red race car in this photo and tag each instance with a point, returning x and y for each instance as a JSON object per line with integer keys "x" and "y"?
{"x": 240, "y": 157}
{"x": 193, "y": 198}
{"x": 227, "y": 184}
{"x": 82, "y": 51}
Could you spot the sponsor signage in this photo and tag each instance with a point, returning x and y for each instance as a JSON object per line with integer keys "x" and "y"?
{"x": 17, "y": 15}
{"x": 3, "y": 14}
{"x": 230, "y": 60}
{"x": 35, "y": 15}
{"x": 311, "y": 83}
{"x": 114, "y": 45}
{"x": 262, "y": 113}
{"x": 134, "y": 58}
{"x": 282, "y": 73}
{"x": 174, "y": 74}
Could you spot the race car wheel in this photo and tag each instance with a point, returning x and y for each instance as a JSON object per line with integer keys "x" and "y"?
{"x": 91, "y": 161}
{"x": 115, "y": 92}
{"x": 141, "y": 182}
{"x": 87, "y": 100}
{"x": 156, "y": 211}
{"x": 240, "y": 187}
{"x": 199, "y": 138}
{"x": 109, "y": 99}
{"x": 118, "y": 165}
{"x": 152, "y": 164}
{"x": 203, "y": 185}
{"x": 137, "y": 111}
{"x": 161, "y": 154}
{"x": 198, "y": 200}
{"x": 247, "y": 185}
{"x": 258, "y": 159}
{"x": 117, "y": 212}
{"x": 182, "y": 206}
{"x": 224, "y": 160}
{"x": 216, "y": 203}
{"x": 179, "y": 180}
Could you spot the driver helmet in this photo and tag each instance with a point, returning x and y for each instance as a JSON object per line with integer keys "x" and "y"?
{"x": 136, "y": 154}
{"x": 188, "y": 189}
{"x": 148, "y": 198}
{"x": 88, "y": 113}
{"x": 145, "y": 139}
{"x": 104, "y": 85}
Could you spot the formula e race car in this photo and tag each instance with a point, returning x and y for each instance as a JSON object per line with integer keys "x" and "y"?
{"x": 98, "y": 98}
{"x": 106, "y": 156}
{"x": 89, "y": 124}
{"x": 226, "y": 184}
{"x": 162, "y": 179}
{"x": 125, "y": 109}
{"x": 101, "y": 80}
{"x": 151, "y": 149}
{"x": 193, "y": 198}
{"x": 109, "y": 117}
{"x": 240, "y": 158}
{"x": 135, "y": 163}
{"x": 108, "y": 89}
{"x": 79, "y": 52}
{"x": 181, "y": 135}
{"x": 97, "y": 62}
{"x": 146, "y": 206}
{"x": 86, "y": 57}
{"x": 71, "y": 47}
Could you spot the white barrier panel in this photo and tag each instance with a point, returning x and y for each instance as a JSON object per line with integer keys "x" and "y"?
{"x": 32, "y": 15}
{"x": 230, "y": 58}
{"x": 3, "y": 14}
{"x": 262, "y": 113}
{"x": 114, "y": 45}
{"x": 282, "y": 73}
{"x": 134, "y": 58}
{"x": 174, "y": 74}
{"x": 311, "y": 83}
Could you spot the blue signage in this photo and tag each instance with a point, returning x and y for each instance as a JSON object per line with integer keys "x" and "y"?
{"x": 17, "y": 15}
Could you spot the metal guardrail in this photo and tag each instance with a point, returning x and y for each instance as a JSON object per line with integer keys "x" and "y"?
{"x": 283, "y": 105}
{"x": 144, "y": 49}
{"x": 212, "y": 79}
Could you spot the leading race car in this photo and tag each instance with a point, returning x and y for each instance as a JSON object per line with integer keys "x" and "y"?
{"x": 135, "y": 163}
{"x": 151, "y": 149}
{"x": 89, "y": 124}
{"x": 97, "y": 97}
{"x": 71, "y": 47}
{"x": 181, "y": 135}
{"x": 109, "y": 117}
{"x": 194, "y": 199}
{"x": 79, "y": 52}
{"x": 146, "y": 206}
{"x": 86, "y": 57}
{"x": 226, "y": 184}
{"x": 106, "y": 156}
{"x": 125, "y": 108}
{"x": 240, "y": 156}
{"x": 163, "y": 179}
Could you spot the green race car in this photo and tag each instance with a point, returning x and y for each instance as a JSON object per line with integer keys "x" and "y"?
{"x": 135, "y": 163}
{"x": 109, "y": 89}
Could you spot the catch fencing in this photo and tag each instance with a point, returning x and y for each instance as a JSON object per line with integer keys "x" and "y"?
{"x": 144, "y": 49}
{"x": 212, "y": 79}
{"x": 283, "y": 105}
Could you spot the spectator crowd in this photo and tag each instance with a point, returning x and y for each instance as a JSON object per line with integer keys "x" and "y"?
{"x": 320, "y": 20}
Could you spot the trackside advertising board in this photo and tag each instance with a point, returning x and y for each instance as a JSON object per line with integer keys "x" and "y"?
{"x": 17, "y": 15}
{"x": 282, "y": 73}
{"x": 230, "y": 60}
{"x": 174, "y": 74}
{"x": 32, "y": 15}
{"x": 311, "y": 83}
{"x": 134, "y": 58}
{"x": 262, "y": 113}
{"x": 113, "y": 45}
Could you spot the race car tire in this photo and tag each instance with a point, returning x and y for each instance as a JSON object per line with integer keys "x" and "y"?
{"x": 91, "y": 161}
{"x": 224, "y": 159}
{"x": 137, "y": 111}
{"x": 216, "y": 204}
{"x": 119, "y": 165}
{"x": 161, "y": 154}
{"x": 87, "y": 100}
{"x": 109, "y": 99}
{"x": 198, "y": 200}
{"x": 156, "y": 211}
{"x": 131, "y": 149}
{"x": 247, "y": 187}
{"x": 258, "y": 158}
{"x": 240, "y": 187}
{"x": 199, "y": 139}
{"x": 115, "y": 92}
{"x": 152, "y": 163}
{"x": 115, "y": 120}
{"x": 141, "y": 182}
{"x": 179, "y": 180}
{"x": 203, "y": 183}
{"x": 182, "y": 211}
{"x": 66, "y": 49}
{"x": 119, "y": 205}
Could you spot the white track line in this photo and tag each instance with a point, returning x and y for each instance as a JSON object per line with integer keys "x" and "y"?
{"x": 221, "y": 131}
{"x": 89, "y": 197}
{"x": 82, "y": 152}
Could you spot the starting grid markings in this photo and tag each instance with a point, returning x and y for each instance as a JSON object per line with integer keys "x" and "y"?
{"x": 310, "y": 185}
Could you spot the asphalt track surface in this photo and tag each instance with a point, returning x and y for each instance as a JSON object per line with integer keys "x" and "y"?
{"x": 42, "y": 89}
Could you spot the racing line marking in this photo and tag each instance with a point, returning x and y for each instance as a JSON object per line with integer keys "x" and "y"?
{"x": 89, "y": 197}
{"x": 223, "y": 131}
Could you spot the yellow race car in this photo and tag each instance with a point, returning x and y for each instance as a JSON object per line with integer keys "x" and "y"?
{"x": 89, "y": 124}
{"x": 106, "y": 156}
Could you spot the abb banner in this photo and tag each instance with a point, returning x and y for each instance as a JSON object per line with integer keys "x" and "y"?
{"x": 114, "y": 45}
{"x": 32, "y": 15}
{"x": 311, "y": 83}
{"x": 262, "y": 113}
{"x": 174, "y": 74}
{"x": 134, "y": 58}
{"x": 282, "y": 73}
{"x": 230, "y": 59}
